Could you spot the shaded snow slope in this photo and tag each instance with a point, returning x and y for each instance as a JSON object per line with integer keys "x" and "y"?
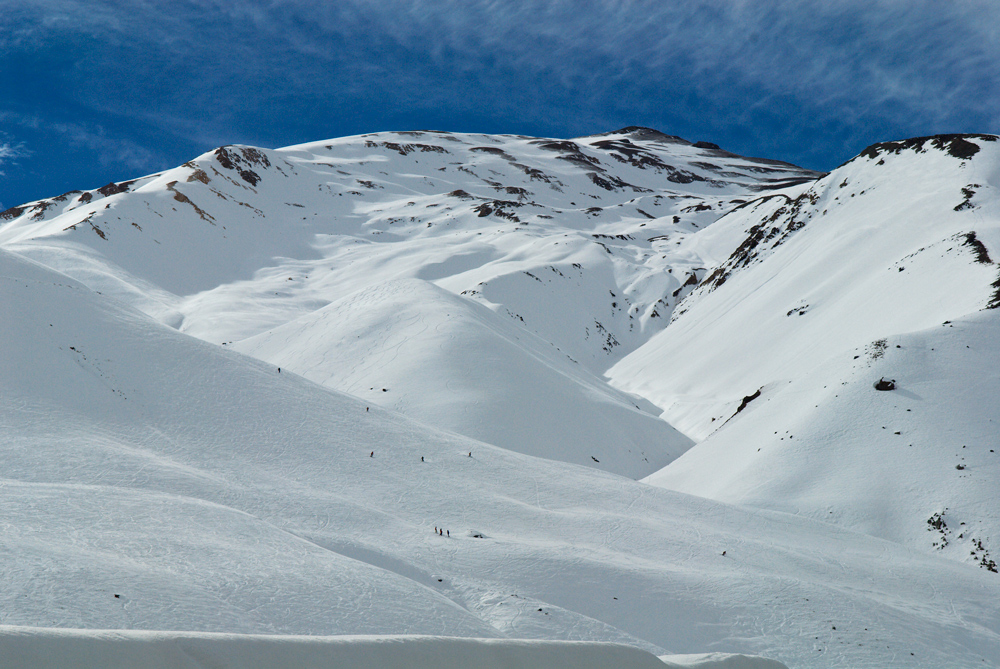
{"x": 29, "y": 647}
{"x": 719, "y": 661}
{"x": 32, "y": 647}
{"x": 413, "y": 347}
{"x": 772, "y": 360}
{"x": 211, "y": 493}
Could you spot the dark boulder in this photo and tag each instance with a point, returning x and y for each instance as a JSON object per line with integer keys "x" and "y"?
{"x": 883, "y": 384}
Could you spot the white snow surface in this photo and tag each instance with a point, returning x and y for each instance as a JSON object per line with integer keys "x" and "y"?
{"x": 32, "y": 647}
{"x": 456, "y": 364}
{"x": 442, "y": 308}
{"x": 719, "y": 661}
{"x": 883, "y": 268}
{"x": 579, "y": 243}
{"x": 29, "y": 648}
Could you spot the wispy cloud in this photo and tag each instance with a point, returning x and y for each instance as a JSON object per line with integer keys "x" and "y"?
{"x": 107, "y": 149}
{"x": 785, "y": 73}
{"x": 9, "y": 151}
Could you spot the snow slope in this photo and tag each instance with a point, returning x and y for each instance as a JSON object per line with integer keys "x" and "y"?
{"x": 883, "y": 268}
{"x": 28, "y": 647}
{"x": 211, "y": 493}
{"x": 418, "y": 349}
{"x": 580, "y": 243}
{"x": 442, "y": 308}
{"x": 34, "y": 647}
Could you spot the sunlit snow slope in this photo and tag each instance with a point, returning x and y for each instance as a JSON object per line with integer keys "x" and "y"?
{"x": 884, "y": 269}
{"x": 153, "y": 481}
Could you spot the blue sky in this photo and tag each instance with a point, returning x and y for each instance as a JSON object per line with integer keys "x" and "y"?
{"x": 100, "y": 91}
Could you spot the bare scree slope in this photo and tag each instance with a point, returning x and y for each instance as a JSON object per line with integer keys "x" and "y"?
{"x": 497, "y": 336}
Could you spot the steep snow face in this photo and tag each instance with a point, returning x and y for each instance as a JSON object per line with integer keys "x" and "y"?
{"x": 583, "y": 245}
{"x": 880, "y": 269}
{"x": 156, "y": 482}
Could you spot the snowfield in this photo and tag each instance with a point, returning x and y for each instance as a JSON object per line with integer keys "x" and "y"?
{"x": 241, "y": 397}
{"x": 881, "y": 269}
{"x": 34, "y": 647}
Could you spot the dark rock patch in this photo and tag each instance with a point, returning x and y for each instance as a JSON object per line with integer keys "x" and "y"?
{"x": 114, "y": 189}
{"x": 613, "y": 183}
{"x": 647, "y": 134}
{"x": 181, "y": 197}
{"x": 956, "y": 145}
{"x": 571, "y": 152}
{"x": 692, "y": 280}
{"x": 884, "y": 384}
{"x": 241, "y": 159}
{"x": 978, "y": 248}
{"x": 536, "y": 174}
{"x": 498, "y": 208}
{"x": 493, "y": 151}
{"x": 969, "y": 192}
{"x": 768, "y": 234}
{"x": 995, "y": 298}
{"x": 747, "y": 400}
{"x": 11, "y": 214}
{"x": 40, "y": 209}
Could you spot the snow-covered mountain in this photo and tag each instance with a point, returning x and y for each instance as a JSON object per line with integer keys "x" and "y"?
{"x": 883, "y": 269}
{"x": 240, "y": 395}
{"x": 582, "y": 247}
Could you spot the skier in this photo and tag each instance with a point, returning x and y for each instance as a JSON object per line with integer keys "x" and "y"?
{"x": 449, "y": 533}
{"x": 372, "y": 455}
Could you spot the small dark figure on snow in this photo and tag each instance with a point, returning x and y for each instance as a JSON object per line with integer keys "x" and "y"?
{"x": 470, "y": 454}
{"x": 421, "y": 458}
{"x": 372, "y": 455}
{"x": 449, "y": 533}
{"x": 279, "y": 370}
